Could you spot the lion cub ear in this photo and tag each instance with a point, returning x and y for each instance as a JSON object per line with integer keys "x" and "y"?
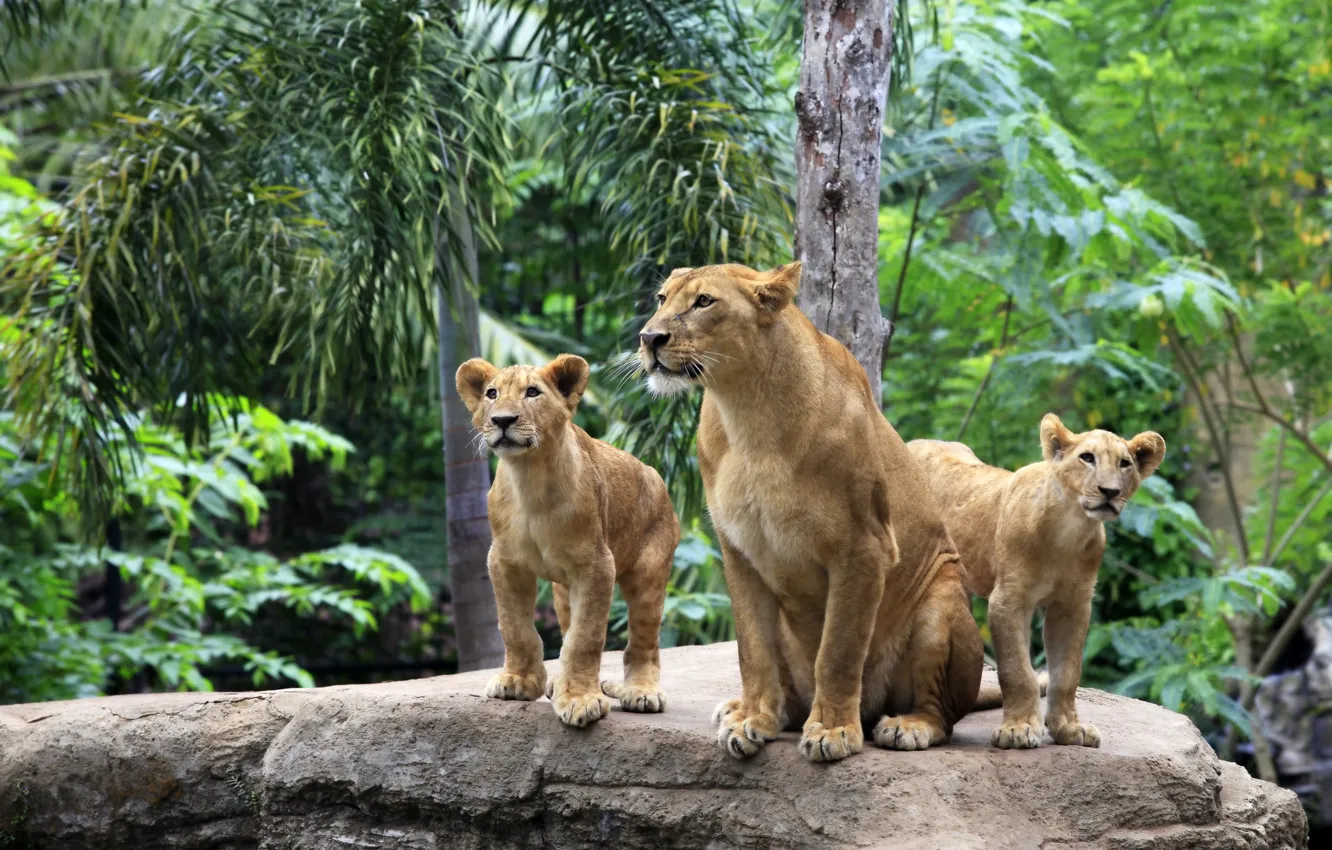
{"x": 1055, "y": 438}
{"x": 568, "y": 375}
{"x": 1148, "y": 450}
{"x": 471, "y": 380}
{"x": 778, "y": 287}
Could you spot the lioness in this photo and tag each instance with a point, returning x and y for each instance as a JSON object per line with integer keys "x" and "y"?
{"x": 1034, "y": 538}
{"x": 846, "y": 590}
{"x": 581, "y": 513}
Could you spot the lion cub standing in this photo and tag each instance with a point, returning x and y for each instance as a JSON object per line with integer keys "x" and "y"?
{"x": 1034, "y": 538}
{"x": 581, "y": 513}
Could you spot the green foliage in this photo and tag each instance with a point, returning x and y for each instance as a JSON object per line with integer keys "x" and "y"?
{"x": 192, "y": 587}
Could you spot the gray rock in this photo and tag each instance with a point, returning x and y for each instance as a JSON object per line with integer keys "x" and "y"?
{"x": 430, "y": 763}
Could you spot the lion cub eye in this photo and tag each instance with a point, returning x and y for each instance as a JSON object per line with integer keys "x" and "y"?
{"x": 492, "y": 393}
{"x": 1087, "y": 457}
{"x": 533, "y": 392}
{"x": 661, "y": 299}
{"x": 704, "y": 301}
{"x": 1125, "y": 463}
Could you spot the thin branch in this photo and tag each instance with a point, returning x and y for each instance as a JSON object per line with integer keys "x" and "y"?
{"x": 1264, "y": 408}
{"x": 69, "y": 79}
{"x": 1195, "y": 383}
{"x": 985, "y": 382}
{"x": 911, "y": 232}
{"x": 1293, "y": 623}
{"x": 1299, "y": 521}
{"x": 1277, "y": 469}
{"x": 1304, "y": 438}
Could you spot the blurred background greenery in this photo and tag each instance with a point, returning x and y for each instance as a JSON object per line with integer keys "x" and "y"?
{"x": 224, "y": 222}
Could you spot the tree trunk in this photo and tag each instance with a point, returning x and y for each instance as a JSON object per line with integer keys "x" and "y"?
{"x": 466, "y": 473}
{"x": 843, "y": 87}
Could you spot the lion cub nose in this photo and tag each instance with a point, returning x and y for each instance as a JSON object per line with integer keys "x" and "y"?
{"x": 1109, "y": 492}
{"x": 503, "y": 422}
{"x": 653, "y": 340}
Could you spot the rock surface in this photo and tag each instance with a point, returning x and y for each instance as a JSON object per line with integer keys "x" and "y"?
{"x": 431, "y": 764}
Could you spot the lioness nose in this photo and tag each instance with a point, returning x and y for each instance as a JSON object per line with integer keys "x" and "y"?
{"x": 1109, "y": 492}
{"x": 503, "y": 422}
{"x": 653, "y": 340}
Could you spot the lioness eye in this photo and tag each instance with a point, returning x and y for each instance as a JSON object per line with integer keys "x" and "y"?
{"x": 704, "y": 300}
{"x": 1087, "y": 457}
{"x": 492, "y": 393}
{"x": 661, "y": 299}
{"x": 533, "y": 392}
{"x": 1125, "y": 463}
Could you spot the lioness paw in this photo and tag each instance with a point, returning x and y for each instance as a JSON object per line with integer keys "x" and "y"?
{"x": 724, "y": 708}
{"x": 907, "y": 733}
{"x": 742, "y": 736}
{"x": 1077, "y": 734}
{"x": 831, "y": 743}
{"x": 509, "y": 686}
{"x": 581, "y": 710}
{"x": 648, "y": 700}
{"x": 1022, "y": 734}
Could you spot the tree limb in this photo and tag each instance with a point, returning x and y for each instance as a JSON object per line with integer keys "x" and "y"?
{"x": 985, "y": 382}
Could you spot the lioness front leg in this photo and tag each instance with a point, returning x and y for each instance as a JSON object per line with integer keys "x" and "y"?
{"x": 1010, "y": 625}
{"x": 833, "y": 730}
{"x": 524, "y": 675}
{"x": 1066, "y": 624}
{"x": 576, "y": 691}
{"x": 745, "y": 724}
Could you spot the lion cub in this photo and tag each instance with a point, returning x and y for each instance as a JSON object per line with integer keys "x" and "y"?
{"x": 581, "y": 513}
{"x": 1034, "y": 538}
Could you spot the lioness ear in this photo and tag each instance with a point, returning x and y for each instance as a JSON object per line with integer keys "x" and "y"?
{"x": 1055, "y": 438}
{"x": 568, "y": 374}
{"x": 778, "y": 287}
{"x": 471, "y": 381}
{"x": 1148, "y": 451}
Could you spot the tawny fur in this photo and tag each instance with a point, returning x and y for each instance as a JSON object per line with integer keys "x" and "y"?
{"x": 581, "y": 513}
{"x": 1034, "y": 539}
{"x": 846, "y": 590}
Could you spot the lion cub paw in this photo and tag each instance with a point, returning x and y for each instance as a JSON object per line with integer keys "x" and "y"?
{"x": 581, "y": 710}
{"x": 831, "y": 743}
{"x": 907, "y": 733}
{"x": 1077, "y": 734}
{"x": 648, "y": 700}
{"x": 742, "y": 736}
{"x": 1022, "y": 734}
{"x": 509, "y": 686}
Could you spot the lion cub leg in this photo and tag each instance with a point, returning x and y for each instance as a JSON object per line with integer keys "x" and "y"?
{"x": 833, "y": 729}
{"x": 745, "y": 724}
{"x": 524, "y": 674}
{"x": 1010, "y": 625}
{"x": 1066, "y": 623}
{"x": 576, "y": 691}
{"x": 644, "y": 589}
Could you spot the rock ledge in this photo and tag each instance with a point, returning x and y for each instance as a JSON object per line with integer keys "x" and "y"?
{"x": 431, "y": 764}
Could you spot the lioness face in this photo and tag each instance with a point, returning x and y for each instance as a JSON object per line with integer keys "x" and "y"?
{"x": 1100, "y": 469}
{"x": 707, "y": 321}
{"x": 514, "y": 408}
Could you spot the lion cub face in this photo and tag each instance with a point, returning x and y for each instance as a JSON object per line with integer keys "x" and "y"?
{"x": 1100, "y": 469}
{"x": 514, "y": 408}
{"x": 707, "y": 320}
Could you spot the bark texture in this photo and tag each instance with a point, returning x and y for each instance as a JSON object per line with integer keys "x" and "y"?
{"x": 844, "y": 73}
{"x": 466, "y": 478}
